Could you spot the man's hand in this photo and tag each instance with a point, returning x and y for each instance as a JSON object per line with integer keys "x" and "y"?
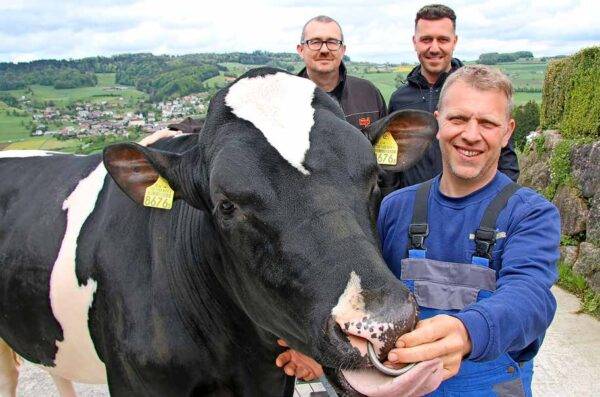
{"x": 160, "y": 134}
{"x": 297, "y": 364}
{"x": 440, "y": 336}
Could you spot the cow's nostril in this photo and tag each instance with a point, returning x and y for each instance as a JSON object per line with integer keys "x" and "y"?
{"x": 335, "y": 330}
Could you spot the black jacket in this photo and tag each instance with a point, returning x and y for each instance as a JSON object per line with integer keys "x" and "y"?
{"x": 360, "y": 100}
{"x": 416, "y": 93}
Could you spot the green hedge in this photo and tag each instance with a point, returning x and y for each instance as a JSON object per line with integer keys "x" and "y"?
{"x": 571, "y": 95}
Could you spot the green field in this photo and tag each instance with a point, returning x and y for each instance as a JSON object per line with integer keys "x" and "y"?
{"x": 44, "y": 143}
{"x": 217, "y": 81}
{"x": 520, "y": 98}
{"x": 384, "y": 81}
{"x": 12, "y": 127}
{"x": 525, "y": 75}
{"x": 104, "y": 91}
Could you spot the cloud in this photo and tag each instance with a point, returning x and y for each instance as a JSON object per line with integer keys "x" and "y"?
{"x": 377, "y": 30}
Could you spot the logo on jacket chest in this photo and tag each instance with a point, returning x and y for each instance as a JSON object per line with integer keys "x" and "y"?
{"x": 364, "y": 121}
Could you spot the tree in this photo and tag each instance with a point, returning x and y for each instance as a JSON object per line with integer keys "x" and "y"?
{"x": 527, "y": 119}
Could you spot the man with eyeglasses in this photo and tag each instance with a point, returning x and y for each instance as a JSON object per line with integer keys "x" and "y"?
{"x": 322, "y": 49}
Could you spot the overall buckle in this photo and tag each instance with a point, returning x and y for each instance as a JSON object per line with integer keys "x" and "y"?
{"x": 485, "y": 238}
{"x": 417, "y": 233}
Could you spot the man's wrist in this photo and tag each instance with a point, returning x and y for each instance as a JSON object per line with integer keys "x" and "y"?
{"x": 477, "y": 330}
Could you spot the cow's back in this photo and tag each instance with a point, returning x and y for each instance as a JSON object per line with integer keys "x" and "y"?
{"x": 32, "y": 228}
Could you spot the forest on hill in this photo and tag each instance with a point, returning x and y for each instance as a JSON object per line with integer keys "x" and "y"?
{"x": 160, "y": 76}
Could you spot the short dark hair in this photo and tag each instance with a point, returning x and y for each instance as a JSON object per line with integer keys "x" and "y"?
{"x": 324, "y": 19}
{"x": 434, "y": 12}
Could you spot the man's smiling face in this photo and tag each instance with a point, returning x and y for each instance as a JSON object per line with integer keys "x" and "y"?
{"x": 434, "y": 42}
{"x": 474, "y": 126}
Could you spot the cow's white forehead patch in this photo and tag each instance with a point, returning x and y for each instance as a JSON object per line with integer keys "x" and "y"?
{"x": 280, "y": 106}
{"x": 24, "y": 153}
{"x": 351, "y": 303}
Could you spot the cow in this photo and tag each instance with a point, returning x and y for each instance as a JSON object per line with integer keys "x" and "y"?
{"x": 271, "y": 234}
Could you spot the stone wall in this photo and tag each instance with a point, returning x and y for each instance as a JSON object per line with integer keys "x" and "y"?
{"x": 577, "y": 197}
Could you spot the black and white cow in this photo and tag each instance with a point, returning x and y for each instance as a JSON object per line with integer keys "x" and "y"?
{"x": 271, "y": 235}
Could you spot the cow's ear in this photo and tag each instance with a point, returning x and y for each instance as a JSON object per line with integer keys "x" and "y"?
{"x": 401, "y": 138}
{"x": 134, "y": 168}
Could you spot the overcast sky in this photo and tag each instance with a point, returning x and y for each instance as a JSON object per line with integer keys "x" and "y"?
{"x": 374, "y": 30}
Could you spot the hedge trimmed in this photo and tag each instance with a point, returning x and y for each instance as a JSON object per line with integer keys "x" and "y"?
{"x": 571, "y": 95}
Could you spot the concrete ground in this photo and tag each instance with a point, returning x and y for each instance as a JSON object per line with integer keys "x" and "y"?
{"x": 567, "y": 365}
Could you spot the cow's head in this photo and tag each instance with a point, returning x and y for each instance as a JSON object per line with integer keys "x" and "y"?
{"x": 291, "y": 189}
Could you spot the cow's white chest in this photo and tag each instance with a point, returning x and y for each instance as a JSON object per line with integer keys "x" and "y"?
{"x": 76, "y": 358}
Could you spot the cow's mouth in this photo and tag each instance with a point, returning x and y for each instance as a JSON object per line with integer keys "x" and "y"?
{"x": 373, "y": 383}
{"x": 381, "y": 381}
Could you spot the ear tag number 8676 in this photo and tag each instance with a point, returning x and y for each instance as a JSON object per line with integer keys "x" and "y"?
{"x": 159, "y": 195}
{"x": 386, "y": 150}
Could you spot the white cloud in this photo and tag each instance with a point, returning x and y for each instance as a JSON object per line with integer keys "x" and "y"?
{"x": 377, "y": 30}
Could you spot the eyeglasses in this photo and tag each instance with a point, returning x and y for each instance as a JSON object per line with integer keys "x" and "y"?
{"x": 316, "y": 45}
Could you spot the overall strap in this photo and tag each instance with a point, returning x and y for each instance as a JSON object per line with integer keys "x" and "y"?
{"x": 419, "y": 229}
{"x": 485, "y": 235}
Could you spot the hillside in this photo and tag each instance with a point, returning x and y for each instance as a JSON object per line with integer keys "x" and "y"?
{"x": 135, "y": 93}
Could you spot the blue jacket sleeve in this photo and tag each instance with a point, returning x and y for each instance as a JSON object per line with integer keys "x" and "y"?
{"x": 522, "y": 307}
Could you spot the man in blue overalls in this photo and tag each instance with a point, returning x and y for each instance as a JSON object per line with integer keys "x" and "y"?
{"x": 478, "y": 252}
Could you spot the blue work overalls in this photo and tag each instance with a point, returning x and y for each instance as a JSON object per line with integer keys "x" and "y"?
{"x": 446, "y": 287}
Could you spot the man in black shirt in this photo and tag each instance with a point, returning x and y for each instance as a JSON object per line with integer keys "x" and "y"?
{"x": 322, "y": 49}
{"x": 434, "y": 42}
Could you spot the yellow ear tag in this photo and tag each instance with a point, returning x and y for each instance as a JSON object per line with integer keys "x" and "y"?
{"x": 386, "y": 150}
{"x": 159, "y": 195}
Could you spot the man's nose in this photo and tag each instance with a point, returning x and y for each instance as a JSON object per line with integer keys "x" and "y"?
{"x": 434, "y": 46}
{"x": 471, "y": 132}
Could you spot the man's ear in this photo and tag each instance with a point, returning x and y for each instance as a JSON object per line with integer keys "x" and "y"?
{"x": 412, "y": 131}
{"x": 134, "y": 168}
{"x": 510, "y": 128}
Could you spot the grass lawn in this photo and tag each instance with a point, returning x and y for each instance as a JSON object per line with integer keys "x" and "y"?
{"x": 44, "y": 143}
{"x": 521, "y": 98}
{"x": 385, "y": 81}
{"x": 525, "y": 74}
{"x": 12, "y": 127}
{"x": 105, "y": 90}
{"x": 217, "y": 81}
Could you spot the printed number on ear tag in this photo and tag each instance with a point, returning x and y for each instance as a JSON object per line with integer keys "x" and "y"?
{"x": 386, "y": 150}
{"x": 159, "y": 195}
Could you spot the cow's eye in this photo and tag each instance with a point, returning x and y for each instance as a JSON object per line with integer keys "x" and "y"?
{"x": 226, "y": 207}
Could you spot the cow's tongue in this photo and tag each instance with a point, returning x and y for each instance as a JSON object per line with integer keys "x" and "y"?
{"x": 424, "y": 378}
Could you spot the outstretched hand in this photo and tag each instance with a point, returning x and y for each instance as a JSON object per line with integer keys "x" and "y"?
{"x": 440, "y": 336}
{"x": 160, "y": 134}
{"x": 297, "y": 364}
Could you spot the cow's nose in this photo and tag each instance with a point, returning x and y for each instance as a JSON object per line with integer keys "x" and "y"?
{"x": 379, "y": 317}
{"x": 381, "y": 333}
